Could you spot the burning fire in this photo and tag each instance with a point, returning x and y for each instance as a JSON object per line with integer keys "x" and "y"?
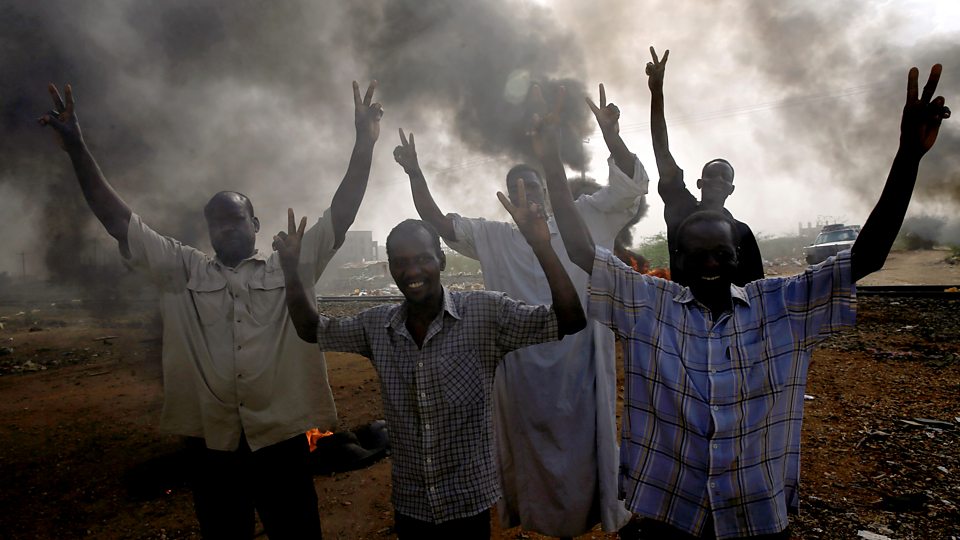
{"x": 315, "y": 435}
{"x": 639, "y": 263}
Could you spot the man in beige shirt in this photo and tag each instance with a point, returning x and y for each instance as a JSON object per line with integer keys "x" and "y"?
{"x": 238, "y": 382}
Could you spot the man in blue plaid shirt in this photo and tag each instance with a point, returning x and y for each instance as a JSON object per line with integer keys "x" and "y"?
{"x": 715, "y": 373}
{"x": 436, "y": 355}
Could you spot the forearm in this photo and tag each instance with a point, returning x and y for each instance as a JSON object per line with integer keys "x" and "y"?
{"x": 566, "y": 301}
{"x": 666, "y": 165}
{"x": 882, "y": 226}
{"x": 427, "y": 207}
{"x": 347, "y": 199}
{"x": 105, "y": 203}
{"x": 576, "y": 236}
{"x": 302, "y": 308}
{"x": 622, "y": 156}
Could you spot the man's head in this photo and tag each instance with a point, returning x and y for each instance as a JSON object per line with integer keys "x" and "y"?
{"x": 416, "y": 260}
{"x": 708, "y": 250}
{"x": 716, "y": 182}
{"x": 233, "y": 227}
{"x": 531, "y": 183}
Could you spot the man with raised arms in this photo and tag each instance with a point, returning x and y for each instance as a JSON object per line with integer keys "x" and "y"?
{"x": 715, "y": 372}
{"x": 715, "y": 185}
{"x": 238, "y": 382}
{"x": 436, "y": 355}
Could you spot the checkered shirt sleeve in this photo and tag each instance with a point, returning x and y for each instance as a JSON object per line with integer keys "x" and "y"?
{"x": 346, "y": 334}
{"x": 521, "y": 325}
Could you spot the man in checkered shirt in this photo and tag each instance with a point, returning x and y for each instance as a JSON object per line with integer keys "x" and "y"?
{"x": 436, "y": 354}
{"x": 715, "y": 372}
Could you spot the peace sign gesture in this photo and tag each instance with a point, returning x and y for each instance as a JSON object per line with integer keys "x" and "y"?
{"x": 406, "y": 154}
{"x": 530, "y": 217}
{"x": 63, "y": 119}
{"x": 655, "y": 69}
{"x": 287, "y": 243}
{"x": 367, "y": 114}
{"x": 545, "y": 130}
{"x": 608, "y": 114}
{"x": 921, "y": 119}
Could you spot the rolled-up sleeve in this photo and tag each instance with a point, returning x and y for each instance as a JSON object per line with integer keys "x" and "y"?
{"x": 466, "y": 230}
{"x": 618, "y": 294}
{"x": 316, "y": 248}
{"x": 622, "y": 193}
{"x": 821, "y": 300}
{"x": 521, "y": 325}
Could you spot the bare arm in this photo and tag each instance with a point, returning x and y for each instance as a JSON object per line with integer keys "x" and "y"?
{"x": 608, "y": 118}
{"x": 105, "y": 203}
{"x": 666, "y": 166}
{"x": 546, "y": 145}
{"x": 347, "y": 199}
{"x": 406, "y": 156}
{"x": 303, "y": 309}
{"x": 532, "y": 223}
{"x": 919, "y": 127}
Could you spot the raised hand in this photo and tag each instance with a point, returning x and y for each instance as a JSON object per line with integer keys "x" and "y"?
{"x": 63, "y": 119}
{"x": 608, "y": 114}
{"x": 406, "y": 154}
{"x": 544, "y": 129}
{"x": 655, "y": 69}
{"x": 921, "y": 119}
{"x": 530, "y": 217}
{"x": 287, "y": 244}
{"x": 367, "y": 114}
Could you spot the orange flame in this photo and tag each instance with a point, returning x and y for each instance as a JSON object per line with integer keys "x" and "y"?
{"x": 315, "y": 435}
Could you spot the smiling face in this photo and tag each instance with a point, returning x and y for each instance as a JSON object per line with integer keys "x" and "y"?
{"x": 415, "y": 264}
{"x": 707, "y": 255}
{"x": 232, "y": 226}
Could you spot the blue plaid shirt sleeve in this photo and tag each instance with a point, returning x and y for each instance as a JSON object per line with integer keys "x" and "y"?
{"x": 521, "y": 325}
{"x": 820, "y": 301}
{"x": 619, "y": 295}
{"x": 344, "y": 334}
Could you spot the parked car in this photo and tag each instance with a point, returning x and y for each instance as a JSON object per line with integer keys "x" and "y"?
{"x": 831, "y": 240}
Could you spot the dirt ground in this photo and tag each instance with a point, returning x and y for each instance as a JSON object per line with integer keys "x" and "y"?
{"x": 82, "y": 455}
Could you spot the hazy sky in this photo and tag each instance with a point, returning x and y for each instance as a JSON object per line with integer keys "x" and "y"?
{"x": 178, "y": 101}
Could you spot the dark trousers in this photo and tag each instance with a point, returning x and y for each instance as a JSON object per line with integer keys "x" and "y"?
{"x": 472, "y": 528}
{"x": 655, "y": 530}
{"x": 275, "y": 481}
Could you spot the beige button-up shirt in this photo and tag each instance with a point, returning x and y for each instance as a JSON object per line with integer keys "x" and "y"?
{"x": 232, "y": 360}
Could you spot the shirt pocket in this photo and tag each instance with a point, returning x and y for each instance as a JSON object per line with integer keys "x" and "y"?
{"x": 209, "y": 293}
{"x": 462, "y": 382}
{"x": 268, "y": 298}
{"x": 763, "y": 374}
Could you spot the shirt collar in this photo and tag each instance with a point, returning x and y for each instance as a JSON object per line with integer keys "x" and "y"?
{"x": 738, "y": 294}
{"x": 257, "y": 256}
{"x": 399, "y": 318}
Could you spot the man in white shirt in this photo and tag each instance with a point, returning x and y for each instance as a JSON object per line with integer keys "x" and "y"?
{"x": 554, "y": 404}
{"x": 238, "y": 382}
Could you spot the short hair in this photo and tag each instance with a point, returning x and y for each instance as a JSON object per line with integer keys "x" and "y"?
{"x": 517, "y": 170}
{"x": 408, "y": 226}
{"x": 220, "y": 194}
{"x": 718, "y": 160}
{"x": 703, "y": 216}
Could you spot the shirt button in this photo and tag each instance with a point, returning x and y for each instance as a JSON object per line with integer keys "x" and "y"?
{"x": 419, "y": 364}
{"x": 433, "y": 489}
{"x": 716, "y": 407}
{"x": 713, "y": 484}
{"x": 241, "y": 404}
{"x": 429, "y": 460}
{"x": 714, "y": 370}
{"x": 423, "y": 394}
{"x": 426, "y": 426}
{"x": 239, "y": 375}
{"x": 238, "y": 320}
{"x": 716, "y": 446}
{"x": 239, "y": 347}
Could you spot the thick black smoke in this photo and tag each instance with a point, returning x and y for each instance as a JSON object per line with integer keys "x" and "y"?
{"x": 180, "y": 99}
